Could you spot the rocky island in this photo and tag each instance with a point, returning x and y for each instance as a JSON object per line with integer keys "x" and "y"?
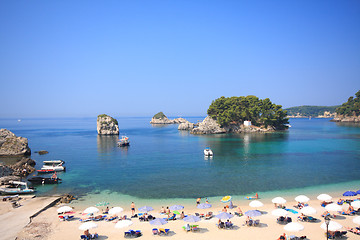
{"x": 107, "y": 125}
{"x": 349, "y": 111}
{"x": 160, "y": 118}
{"x": 242, "y": 114}
{"x": 11, "y": 145}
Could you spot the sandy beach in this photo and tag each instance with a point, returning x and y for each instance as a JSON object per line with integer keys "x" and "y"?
{"x": 48, "y": 226}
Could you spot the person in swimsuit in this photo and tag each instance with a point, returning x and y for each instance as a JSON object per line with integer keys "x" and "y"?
{"x": 132, "y": 208}
{"x": 198, "y": 201}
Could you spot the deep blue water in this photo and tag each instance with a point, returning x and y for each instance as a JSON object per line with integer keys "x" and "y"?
{"x": 162, "y": 162}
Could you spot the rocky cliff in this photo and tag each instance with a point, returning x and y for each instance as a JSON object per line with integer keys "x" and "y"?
{"x": 107, "y": 125}
{"x": 160, "y": 118}
{"x": 11, "y": 145}
{"x": 14, "y": 171}
{"x": 346, "y": 119}
{"x": 186, "y": 126}
{"x": 210, "y": 126}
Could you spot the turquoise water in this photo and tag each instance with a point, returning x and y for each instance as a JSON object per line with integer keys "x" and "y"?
{"x": 164, "y": 163}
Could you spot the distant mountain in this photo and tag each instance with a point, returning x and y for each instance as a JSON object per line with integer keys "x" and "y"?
{"x": 312, "y": 111}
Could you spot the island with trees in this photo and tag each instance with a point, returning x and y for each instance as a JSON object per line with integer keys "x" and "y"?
{"x": 311, "y": 111}
{"x": 243, "y": 114}
{"x": 349, "y": 111}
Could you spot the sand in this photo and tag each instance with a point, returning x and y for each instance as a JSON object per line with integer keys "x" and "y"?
{"x": 47, "y": 225}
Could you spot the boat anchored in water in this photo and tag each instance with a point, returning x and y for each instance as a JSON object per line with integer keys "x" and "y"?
{"x": 53, "y": 165}
{"x": 45, "y": 180}
{"x": 16, "y": 187}
{"x": 208, "y": 152}
{"x": 124, "y": 141}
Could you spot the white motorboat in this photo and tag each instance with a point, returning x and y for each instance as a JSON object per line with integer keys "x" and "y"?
{"x": 16, "y": 188}
{"x": 54, "y": 165}
{"x": 208, "y": 152}
{"x": 54, "y": 162}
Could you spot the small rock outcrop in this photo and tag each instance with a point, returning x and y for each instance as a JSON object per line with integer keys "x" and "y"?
{"x": 208, "y": 126}
{"x": 160, "y": 118}
{"x": 186, "y": 126}
{"x": 107, "y": 125}
{"x": 11, "y": 145}
{"x": 42, "y": 152}
{"x": 346, "y": 119}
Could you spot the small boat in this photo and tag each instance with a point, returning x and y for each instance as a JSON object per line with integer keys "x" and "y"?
{"x": 124, "y": 141}
{"x": 208, "y": 152}
{"x": 45, "y": 171}
{"x": 16, "y": 188}
{"x": 54, "y": 165}
{"x": 44, "y": 180}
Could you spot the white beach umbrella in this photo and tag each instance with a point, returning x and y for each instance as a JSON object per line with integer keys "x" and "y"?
{"x": 324, "y": 197}
{"x": 333, "y": 207}
{"x": 64, "y": 209}
{"x": 293, "y": 227}
{"x": 355, "y": 204}
{"x": 357, "y": 220}
{"x": 333, "y": 226}
{"x": 279, "y": 212}
{"x": 91, "y": 210}
{"x": 88, "y": 225}
{"x": 115, "y": 210}
{"x": 256, "y": 204}
{"x": 279, "y": 200}
{"x": 123, "y": 223}
{"x": 308, "y": 210}
{"x": 302, "y": 198}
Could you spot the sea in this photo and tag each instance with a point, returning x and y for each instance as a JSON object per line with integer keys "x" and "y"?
{"x": 162, "y": 163}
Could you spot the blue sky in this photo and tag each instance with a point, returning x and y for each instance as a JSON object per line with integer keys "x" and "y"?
{"x": 135, "y": 58}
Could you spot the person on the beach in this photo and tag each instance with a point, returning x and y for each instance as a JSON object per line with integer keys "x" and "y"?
{"x": 239, "y": 211}
{"x": 162, "y": 210}
{"x": 198, "y": 201}
{"x": 224, "y": 209}
{"x": 87, "y": 233}
{"x": 167, "y": 211}
{"x": 206, "y": 201}
{"x": 340, "y": 202}
{"x": 256, "y": 196}
{"x": 182, "y": 215}
{"x": 282, "y": 237}
{"x": 132, "y": 208}
{"x": 107, "y": 210}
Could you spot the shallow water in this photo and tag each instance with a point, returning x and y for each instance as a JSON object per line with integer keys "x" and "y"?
{"x": 163, "y": 163}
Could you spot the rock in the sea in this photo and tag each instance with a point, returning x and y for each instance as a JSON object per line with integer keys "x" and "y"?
{"x": 11, "y": 145}
{"x": 42, "y": 152}
{"x": 107, "y": 125}
{"x": 160, "y": 118}
{"x": 208, "y": 126}
{"x": 186, "y": 126}
{"x": 346, "y": 119}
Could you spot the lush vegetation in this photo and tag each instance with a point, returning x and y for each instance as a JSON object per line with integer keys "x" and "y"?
{"x": 112, "y": 119}
{"x": 236, "y": 110}
{"x": 351, "y": 107}
{"x": 310, "y": 111}
{"x": 159, "y": 115}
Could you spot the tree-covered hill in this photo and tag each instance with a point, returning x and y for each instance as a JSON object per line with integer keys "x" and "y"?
{"x": 236, "y": 110}
{"x": 310, "y": 111}
{"x": 351, "y": 107}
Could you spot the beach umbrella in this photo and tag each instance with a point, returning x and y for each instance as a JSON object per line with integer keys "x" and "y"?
{"x": 308, "y": 210}
{"x": 91, "y": 210}
{"x": 349, "y": 193}
{"x": 355, "y": 204}
{"x": 358, "y": 192}
{"x": 302, "y": 198}
{"x": 64, "y": 209}
{"x": 293, "y": 227}
{"x": 123, "y": 223}
{"x": 333, "y": 226}
{"x": 226, "y": 199}
{"x": 333, "y": 207}
{"x": 256, "y": 204}
{"x": 279, "y": 212}
{"x": 203, "y": 205}
{"x": 324, "y": 197}
{"x": 99, "y": 204}
{"x": 158, "y": 221}
{"x": 191, "y": 218}
{"x": 279, "y": 200}
{"x": 253, "y": 213}
{"x": 357, "y": 220}
{"x": 88, "y": 225}
{"x": 176, "y": 207}
{"x": 224, "y": 215}
{"x": 176, "y": 212}
{"x": 145, "y": 209}
{"x": 115, "y": 210}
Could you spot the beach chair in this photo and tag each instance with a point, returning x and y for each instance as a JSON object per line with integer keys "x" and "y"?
{"x": 229, "y": 225}
{"x": 163, "y": 231}
{"x": 256, "y": 223}
{"x": 155, "y": 231}
{"x": 288, "y": 220}
{"x": 310, "y": 219}
{"x": 209, "y": 215}
{"x": 238, "y": 214}
{"x": 249, "y": 223}
{"x": 83, "y": 237}
{"x": 187, "y": 228}
{"x": 137, "y": 233}
{"x": 194, "y": 228}
{"x": 93, "y": 236}
{"x": 281, "y": 220}
{"x": 173, "y": 217}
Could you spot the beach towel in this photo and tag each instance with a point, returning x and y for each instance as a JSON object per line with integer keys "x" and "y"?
{"x": 291, "y": 210}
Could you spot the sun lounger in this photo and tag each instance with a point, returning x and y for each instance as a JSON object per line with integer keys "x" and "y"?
{"x": 155, "y": 231}
{"x": 186, "y": 227}
{"x": 86, "y": 219}
{"x": 109, "y": 219}
{"x": 173, "y": 217}
{"x": 132, "y": 233}
{"x": 163, "y": 231}
{"x": 249, "y": 223}
{"x": 194, "y": 228}
{"x": 99, "y": 218}
{"x": 256, "y": 223}
{"x": 238, "y": 214}
{"x": 66, "y": 217}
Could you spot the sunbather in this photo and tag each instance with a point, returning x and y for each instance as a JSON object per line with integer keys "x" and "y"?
{"x": 162, "y": 210}
{"x": 239, "y": 211}
{"x": 182, "y": 215}
{"x": 340, "y": 201}
{"x": 353, "y": 230}
{"x": 167, "y": 210}
{"x": 282, "y": 237}
{"x": 224, "y": 209}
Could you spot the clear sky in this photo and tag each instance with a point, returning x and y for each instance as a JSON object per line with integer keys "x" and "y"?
{"x": 135, "y": 58}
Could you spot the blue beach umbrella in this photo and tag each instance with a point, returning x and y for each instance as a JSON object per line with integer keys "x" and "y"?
{"x": 176, "y": 207}
{"x": 192, "y": 218}
{"x": 358, "y": 192}
{"x": 145, "y": 209}
{"x": 253, "y": 213}
{"x": 204, "y": 205}
{"x": 158, "y": 221}
{"x": 224, "y": 215}
{"x": 349, "y": 193}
